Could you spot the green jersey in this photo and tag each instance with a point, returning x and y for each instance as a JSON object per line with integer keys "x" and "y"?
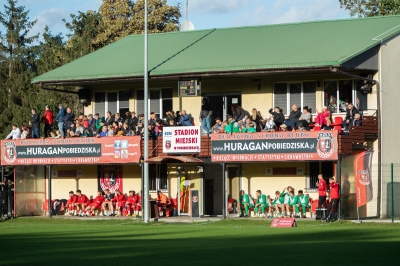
{"x": 262, "y": 199}
{"x": 249, "y": 130}
{"x": 277, "y": 200}
{"x": 293, "y": 200}
{"x": 244, "y": 199}
{"x": 303, "y": 199}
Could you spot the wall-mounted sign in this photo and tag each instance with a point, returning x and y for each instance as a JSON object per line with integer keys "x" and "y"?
{"x": 188, "y": 87}
{"x": 117, "y": 150}
{"x": 275, "y": 146}
{"x": 235, "y": 100}
{"x": 181, "y": 139}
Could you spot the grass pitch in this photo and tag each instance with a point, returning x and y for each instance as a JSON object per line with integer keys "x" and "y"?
{"x": 41, "y": 241}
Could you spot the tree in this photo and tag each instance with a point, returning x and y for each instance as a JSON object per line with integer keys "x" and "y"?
{"x": 370, "y": 8}
{"x": 124, "y": 17}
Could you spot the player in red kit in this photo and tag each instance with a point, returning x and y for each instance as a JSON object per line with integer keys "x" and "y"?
{"x": 321, "y": 191}
{"x": 73, "y": 199}
{"x": 119, "y": 200}
{"x": 335, "y": 197}
{"x": 130, "y": 202}
{"x": 96, "y": 203}
{"x": 82, "y": 203}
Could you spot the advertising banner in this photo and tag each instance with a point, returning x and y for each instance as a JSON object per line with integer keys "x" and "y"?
{"x": 283, "y": 222}
{"x": 362, "y": 174}
{"x": 114, "y": 150}
{"x": 275, "y": 146}
{"x": 181, "y": 139}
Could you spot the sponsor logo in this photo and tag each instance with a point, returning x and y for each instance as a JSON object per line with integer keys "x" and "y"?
{"x": 195, "y": 199}
{"x": 325, "y": 145}
{"x": 168, "y": 144}
{"x": 10, "y": 152}
{"x": 363, "y": 177}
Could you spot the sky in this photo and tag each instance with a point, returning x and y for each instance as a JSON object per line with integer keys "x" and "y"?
{"x": 204, "y": 14}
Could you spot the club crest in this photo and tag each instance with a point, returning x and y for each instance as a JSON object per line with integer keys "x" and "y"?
{"x": 10, "y": 152}
{"x": 325, "y": 145}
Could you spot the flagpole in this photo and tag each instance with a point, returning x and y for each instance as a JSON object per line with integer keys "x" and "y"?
{"x": 146, "y": 119}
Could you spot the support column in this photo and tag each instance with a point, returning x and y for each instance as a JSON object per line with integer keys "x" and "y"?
{"x": 224, "y": 199}
{"x": 339, "y": 181}
{"x": 49, "y": 190}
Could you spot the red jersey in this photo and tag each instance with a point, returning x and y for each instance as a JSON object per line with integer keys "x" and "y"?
{"x": 322, "y": 187}
{"x": 99, "y": 200}
{"x": 48, "y": 117}
{"x": 131, "y": 200}
{"x": 334, "y": 190}
{"x": 82, "y": 199}
{"x": 73, "y": 199}
{"x": 119, "y": 198}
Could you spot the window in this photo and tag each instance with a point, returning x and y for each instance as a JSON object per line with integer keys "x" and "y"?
{"x": 115, "y": 102}
{"x": 339, "y": 93}
{"x": 160, "y": 101}
{"x": 316, "y": 168}
{"x": 300, "y": 93}
{"x": 29, "y": 179}
{"x": 158, "y": 177}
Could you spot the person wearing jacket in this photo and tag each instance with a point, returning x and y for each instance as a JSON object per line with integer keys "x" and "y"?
{"x": 303, "y": 203}
{"x": 277, "y": 203}
{"x": 48, "y": 121}
{"x": 261, "y": 203}
{"x": 205, "y": 115}
{"x": 321, "y": 191}
{"x": 294, "y": 117}
{"x": 279, "y": 118}
{"x": 35, "y": 123}
{"x": 334, "y": 198}
{"x": 184, "y": 120}
{"x": 15, "y": 133}
{"x": 68, "y": 118}
{"x": 350, "y": 113}
{"x": 60, "y": 119}
{"x": 244, "y": 203}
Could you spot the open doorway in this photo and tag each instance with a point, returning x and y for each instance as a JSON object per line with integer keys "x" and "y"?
{"x": 221, "y": 104}
{"x": 213, "y": 190}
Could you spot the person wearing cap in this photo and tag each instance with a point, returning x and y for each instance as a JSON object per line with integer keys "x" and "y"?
{"x": 322, "y": 117}
{"x": 218, "y": 124}
{"x": 205, "y": 115}
{"x": 305, "y": 117}
{"x": 269, "y": 125}
{"x": 35, "y": 123}
{"x": 60, "y": 118}
{"x": 15, "y": 133}
{"x": 48, "y": 121}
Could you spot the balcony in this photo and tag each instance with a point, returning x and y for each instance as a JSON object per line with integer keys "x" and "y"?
{"x": 347, "y": 143}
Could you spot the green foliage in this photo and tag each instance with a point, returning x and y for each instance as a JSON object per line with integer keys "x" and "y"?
{"x": 370, "y": 8}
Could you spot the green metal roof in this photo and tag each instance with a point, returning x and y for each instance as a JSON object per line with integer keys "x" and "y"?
{"x": 294, "y": 45}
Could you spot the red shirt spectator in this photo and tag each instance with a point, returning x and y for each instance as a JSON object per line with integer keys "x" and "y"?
{"x": 322, "y": 187}
{"x": 334, "y": 190}
{"x": 48, "y": 116}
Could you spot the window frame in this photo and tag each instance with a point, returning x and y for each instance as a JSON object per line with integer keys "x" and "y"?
{"x": 288, "y": 83}
{"x": 160, "y": 115}
{"x": 106, "y": 108}
{"x": 158, "y": 176}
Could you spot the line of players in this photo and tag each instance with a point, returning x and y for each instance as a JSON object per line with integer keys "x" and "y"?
{"x": 286, "y": 204}
{"x": 79, "y": 204}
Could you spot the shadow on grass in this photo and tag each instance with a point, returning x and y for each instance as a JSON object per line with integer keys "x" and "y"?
{"x": 222, "y": 243}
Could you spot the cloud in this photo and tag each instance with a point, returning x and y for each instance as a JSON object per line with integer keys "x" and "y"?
{"x": 213, "y": 6}
{"x": 52, "y": 18}
{"x": 286, "y": 11}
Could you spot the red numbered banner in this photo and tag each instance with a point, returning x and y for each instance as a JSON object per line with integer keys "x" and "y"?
{"x": 362, "y": 175}
{"x": 107, "y": 150}
{"x": 275, "y": 146}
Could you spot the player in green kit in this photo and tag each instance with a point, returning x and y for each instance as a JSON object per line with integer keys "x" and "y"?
{"x": 292, "y": 203}
{"x": 303, "y": 203}
{"x": 244, "y": 203}
{"x": 261, "y": 203}
{"x": 285, "y": 202}
{"x": 278, "y": 204}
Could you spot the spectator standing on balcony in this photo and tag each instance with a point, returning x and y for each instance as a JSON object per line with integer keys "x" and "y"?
{"x": 15, "y": 133}
{"x": 294, "y": 117}
{"x": 68, "y": 118}
{"x": 279, "y": 118}
{"x": 133, "y": 121}
{"x": 205, "y": 116}
{"x": 256, "y": 118}
{"x": 60, "y": 119}
{"x": 91, "y": 121}
{"x": 109, "y": 119}
{"x": 35, "y": 123}
{"x": 98, "y": 123}
{"x": 350, "y": 113}
{"x": 25, "y": 131}
{"x": 305, "y": 117}
{"x": 170, "y": 117}
{"x": 185, "y": 119}
{"x": 218, "y": 125}
{"x": 48, "y": 121}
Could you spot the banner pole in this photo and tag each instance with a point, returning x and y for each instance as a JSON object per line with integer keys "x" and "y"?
{"x": 391, "y": 170}
{"x": 49, "y": 192}
{"x": 358, "y": 215}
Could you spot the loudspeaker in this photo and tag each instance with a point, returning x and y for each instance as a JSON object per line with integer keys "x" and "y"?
{"x": 84, "y": 96}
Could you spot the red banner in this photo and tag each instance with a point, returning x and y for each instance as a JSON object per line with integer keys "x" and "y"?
{"x": 110, "y": 177}
{"x": 275, "y": 146}
{"x": 362, "y": 175}
{"x": 107, "y": 150}
{"x": 283, "y": 222}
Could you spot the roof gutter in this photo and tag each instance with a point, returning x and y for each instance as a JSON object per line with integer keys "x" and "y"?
{"x": 378, "y": 93}
{"x": 56, "y": 90}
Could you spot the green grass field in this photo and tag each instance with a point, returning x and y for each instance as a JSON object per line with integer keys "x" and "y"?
{"x": 41, "y": 241}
